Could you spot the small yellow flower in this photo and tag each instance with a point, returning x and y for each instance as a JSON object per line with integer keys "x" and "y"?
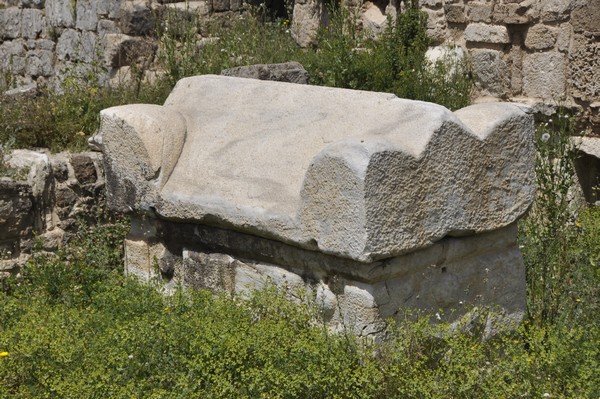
{"x": 3, "y": 354}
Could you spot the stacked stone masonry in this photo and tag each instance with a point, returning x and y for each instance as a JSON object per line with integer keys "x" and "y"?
{"x": 43, "y": 197}
{"x": 534, "y": 51}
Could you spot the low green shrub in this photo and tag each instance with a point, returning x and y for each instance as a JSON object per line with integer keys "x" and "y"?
{"x": 73, "y": 326}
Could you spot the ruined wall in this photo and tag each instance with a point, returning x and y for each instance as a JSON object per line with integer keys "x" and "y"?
{"x": 49, "y": 40}
{"x": 534, "y": 51}
{"x": 44, "y": 196}
{"x": 538, "y": 49}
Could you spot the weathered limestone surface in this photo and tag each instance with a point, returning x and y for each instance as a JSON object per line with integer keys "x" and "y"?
{"x": 291, "y": 72}
{"x": 43, "y": 195}
{"x": 305, "y": 165}
{"x": 406, "y": 205}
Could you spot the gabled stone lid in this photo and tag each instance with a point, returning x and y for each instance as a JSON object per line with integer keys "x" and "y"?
{"x": 356, "y": 174}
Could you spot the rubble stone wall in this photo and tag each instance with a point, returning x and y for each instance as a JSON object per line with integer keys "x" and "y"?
{"x": 536, "y": 51}
{"x": 47, "y": 40}
{"x": 44, "y": 196}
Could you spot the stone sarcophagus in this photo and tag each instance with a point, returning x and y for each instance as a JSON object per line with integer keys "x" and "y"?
{"x": 370, "y": 202}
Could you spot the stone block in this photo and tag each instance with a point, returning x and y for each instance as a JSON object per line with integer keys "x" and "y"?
{"x": 235, "y": 5}
{"x": 584, "y": 68}
{"x": 60, "y": 13}
{"x": 84, "y": 169}
{"x": 544, "y": 75}
{"x": 455, "y": 13}
{"x": 490, "y": 72}
{"x": 586, "y": 16}
{"x": 308, "y": 16}
{"x": 31, "y": 23}
{"x": 136, "y": 18}
{"x": 109, "y": 8}
{"x": 436, "y": 26}
{"x": 39, "y": 63}
{"x": 563, "y": 41}
{"x": 291, "y": 72}
{"x": 430, "y": 3}
{"x": 67, "y": 47}
{"x": 17, "y": 214}
{"x": 220, "y": 5}
{"x": 10, "y": 23}
{"x": 87, "y": 18}
{"x": 12, "y": 56}
{"x": 512, "y": 13}
{"x": 106, "y": 26}
{"x": 479, "y": 12}
{"x": 541, "y": 37}
{"x": 554, "y": 10}
{"x": 483, "y": 33}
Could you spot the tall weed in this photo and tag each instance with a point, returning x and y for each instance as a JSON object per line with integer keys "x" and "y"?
{"x": 561, "y": 270}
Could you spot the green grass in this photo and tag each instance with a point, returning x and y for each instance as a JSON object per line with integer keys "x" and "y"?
{"x": 73, "y": 326}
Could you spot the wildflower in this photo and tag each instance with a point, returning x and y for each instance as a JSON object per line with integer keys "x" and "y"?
{"x": 545, "y": 137}
{"x": 3, "y": 354}
{"x": 546, "y": 395}
{"x": 129, "y": 357}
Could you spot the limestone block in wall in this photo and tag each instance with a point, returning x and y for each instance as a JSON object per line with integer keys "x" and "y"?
{"x": 586, "y": 16}
{"x": 13, "y": 56}
{"x": 584, "y": 67}
{"x": 479, "y": 11}
{"x": 455, "y": 13}
{"x": 436, "y": 25}
{"x": 32, "y": 23}
{"x": 554, "y": 10}
{"x": 483, "y": 33}
{"x": 563, "y": 40}
{"x": 373, "y": 19}
{"x": 39, "y": 63}
{"x": 10, "y": 23}
{"x": 109, "y": 8}
{"x": 74, "y": 46}
{"x": 87, "y": 17}
{"x": 541, "y": 37}
{"x": 17, "y": 213}
{"x": 430, "y": 3}
{"x": 220, "y": 5}
{"x": 517, "y": 13}
{"x": 60, "y": 13}
{"x": 544, "y": 75}
{"x": 35, "y": 173}
{"x": 490, "y": 72}
{"x": 136, "y": 18}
